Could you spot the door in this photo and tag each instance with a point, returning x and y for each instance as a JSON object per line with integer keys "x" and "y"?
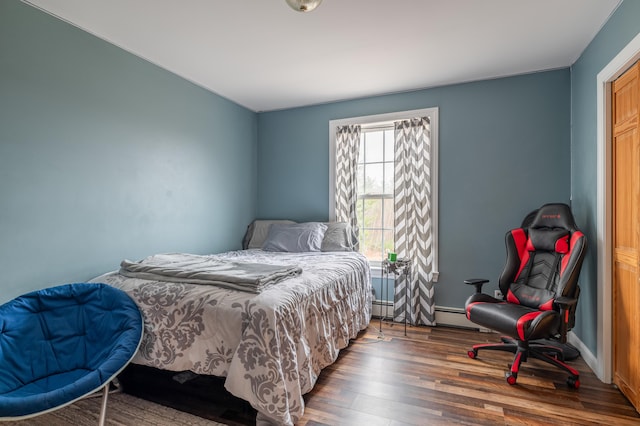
{"x": 626, "y": 237}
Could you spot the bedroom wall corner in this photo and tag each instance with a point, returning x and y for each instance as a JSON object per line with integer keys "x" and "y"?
{"x": 104, "y": 156}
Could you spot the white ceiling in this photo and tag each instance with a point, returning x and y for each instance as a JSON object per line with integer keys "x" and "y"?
{"x": 265, "y": 56}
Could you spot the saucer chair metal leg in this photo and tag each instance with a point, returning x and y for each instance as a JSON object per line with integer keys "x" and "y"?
{"x": 103, "y": 406}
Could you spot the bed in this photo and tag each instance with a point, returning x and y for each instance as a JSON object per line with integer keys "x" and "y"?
{"x": 270, "y": 343}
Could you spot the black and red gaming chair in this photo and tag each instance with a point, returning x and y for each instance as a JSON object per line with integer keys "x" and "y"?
{"x": 540, "y": 288}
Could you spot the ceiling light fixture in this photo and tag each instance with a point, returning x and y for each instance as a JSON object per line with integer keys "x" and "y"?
{"x": 303, "y": 5}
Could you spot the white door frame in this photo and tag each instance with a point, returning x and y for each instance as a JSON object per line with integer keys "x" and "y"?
{"x": 618, "y": 65}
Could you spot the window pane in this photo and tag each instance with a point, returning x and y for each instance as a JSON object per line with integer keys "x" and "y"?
{"x": 388, "y": 244}
{"x": 388, "y": 145}
{"x": 388, "y": 214}
{"x": 370, "y": 245}
{"x": 374, "y": 147}
{"x": 372, "y": 214}
{"x": 362, "y": 240}
{"x": 360, "y": 179}
{"x": 373, "y": 178}
{"x": 360, "y": 212}
{"x": 388, "y": 178}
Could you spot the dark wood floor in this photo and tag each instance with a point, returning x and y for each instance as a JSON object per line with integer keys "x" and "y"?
{"x": 425, "y": 378}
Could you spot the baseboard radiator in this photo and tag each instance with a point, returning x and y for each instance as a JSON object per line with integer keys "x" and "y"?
{"x": 446, "y": 316}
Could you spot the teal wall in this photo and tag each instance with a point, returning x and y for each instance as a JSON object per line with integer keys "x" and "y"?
{"x": 621, "y": 28}
{"x": 504, "y": 151}
{"x": 104, "y": 156}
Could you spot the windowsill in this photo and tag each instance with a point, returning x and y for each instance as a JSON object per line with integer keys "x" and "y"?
{"x": 375, "y": 269}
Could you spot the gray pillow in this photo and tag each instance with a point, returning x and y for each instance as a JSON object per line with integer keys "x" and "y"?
{"x": 258, "y": 230}
{"x": 295, "y": 238}
{"x": 337, "y": 237}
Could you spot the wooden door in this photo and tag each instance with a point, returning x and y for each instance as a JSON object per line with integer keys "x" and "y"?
{"x": 626, "y": 237}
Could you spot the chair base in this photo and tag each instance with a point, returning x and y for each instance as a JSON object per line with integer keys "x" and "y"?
{"x": 545, "y": 350}
{"x": 566, "y": 351}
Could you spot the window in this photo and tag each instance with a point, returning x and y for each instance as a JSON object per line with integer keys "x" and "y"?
{"x": 375, "y": 180}
{"x": 375, "y": 191}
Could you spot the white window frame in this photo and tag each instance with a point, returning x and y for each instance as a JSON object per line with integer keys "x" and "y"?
{"x": 385, "y": 119}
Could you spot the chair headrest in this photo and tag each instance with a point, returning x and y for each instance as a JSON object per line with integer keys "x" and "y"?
{"x": 549, "y": 239}
{"x": 554, "y": 216}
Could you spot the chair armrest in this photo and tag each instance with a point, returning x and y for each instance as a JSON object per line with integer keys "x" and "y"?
{"x": 478, "y": 282}
{"x": 565, "y": 304}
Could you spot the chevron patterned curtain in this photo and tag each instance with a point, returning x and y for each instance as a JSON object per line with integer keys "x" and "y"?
{"x": 412, "y": 227}
{"x": 347, "y": 149}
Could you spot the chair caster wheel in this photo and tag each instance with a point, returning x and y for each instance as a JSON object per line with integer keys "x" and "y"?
{"x": 472, "y": 353}
{"x": 573, "y": 382}
{"x": 511, "y": 378}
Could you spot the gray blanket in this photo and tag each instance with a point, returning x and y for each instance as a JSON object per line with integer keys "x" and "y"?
{"x": 195, "y": 269}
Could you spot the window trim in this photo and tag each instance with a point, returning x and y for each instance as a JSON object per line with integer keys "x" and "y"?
{"x": 369, "y": 121}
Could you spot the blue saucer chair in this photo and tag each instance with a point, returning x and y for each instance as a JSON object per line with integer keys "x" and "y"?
{"x": 63, "y": 343}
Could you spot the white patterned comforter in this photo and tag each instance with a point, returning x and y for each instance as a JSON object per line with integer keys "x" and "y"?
{"x": 270, "y": 346}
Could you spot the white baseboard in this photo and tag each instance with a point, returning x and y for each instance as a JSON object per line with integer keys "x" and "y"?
{"x": 585, "y": 353}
